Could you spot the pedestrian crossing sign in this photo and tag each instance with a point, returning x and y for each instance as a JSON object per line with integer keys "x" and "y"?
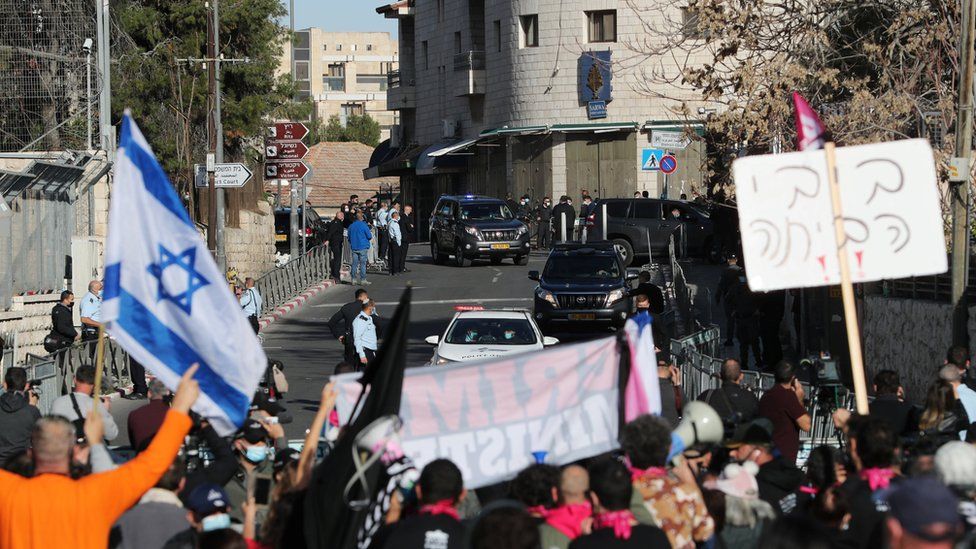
{"x": 651, "y": 159}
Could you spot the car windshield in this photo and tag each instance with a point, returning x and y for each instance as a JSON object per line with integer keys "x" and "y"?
{"x": 498, "y": 331}
{"x": 485, "y": 210}
{"x": 595, "y": 267}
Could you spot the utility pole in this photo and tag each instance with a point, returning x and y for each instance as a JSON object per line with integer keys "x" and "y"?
{"x": 103, "y": 25}
{"x": 212, "y": 132}
{"x": 219, "y": 135}
{"x": 960, "y": 192}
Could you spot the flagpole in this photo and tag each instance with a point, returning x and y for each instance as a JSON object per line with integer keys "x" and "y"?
{"x": 846, "y": 287}
{"x": 99, "y": 364}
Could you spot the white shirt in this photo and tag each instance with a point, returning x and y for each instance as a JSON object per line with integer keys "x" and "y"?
{"x": 91, "y": 307}
{"x": 251, "y": 302}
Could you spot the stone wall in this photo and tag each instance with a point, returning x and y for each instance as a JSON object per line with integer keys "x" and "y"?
{"x": 250, "y": 249}
{"x": 909, "y": 336}
{"x": 30, "y": 318}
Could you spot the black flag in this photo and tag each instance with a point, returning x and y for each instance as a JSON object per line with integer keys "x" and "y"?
{"x": 329, "y": 522}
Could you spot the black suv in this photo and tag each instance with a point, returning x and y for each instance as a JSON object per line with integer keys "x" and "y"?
{"x": 314, "y": 229}
{"x": 474, "y": 227}
{"x": 583, "y": 285}
{"x": 636, "y": 225}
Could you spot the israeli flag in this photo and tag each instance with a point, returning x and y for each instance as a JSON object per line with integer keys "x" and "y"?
{"x": 643, "y": 392}
{"x": 165, "y": 300}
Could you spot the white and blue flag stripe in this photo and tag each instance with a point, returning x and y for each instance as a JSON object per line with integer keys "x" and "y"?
{"x": 165, "y": 300}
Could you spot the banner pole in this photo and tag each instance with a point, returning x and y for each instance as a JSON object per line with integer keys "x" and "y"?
{"x": 99, "y": 364}
{"x": 847, "y": 288}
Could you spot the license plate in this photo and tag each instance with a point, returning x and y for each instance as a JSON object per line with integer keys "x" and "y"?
{"x": 582, "y": 317}
{"x": 499, "y": 246}
{"x": 281, "y": 237}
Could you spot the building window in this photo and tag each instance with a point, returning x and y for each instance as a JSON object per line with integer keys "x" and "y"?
{"x": 335, "y": 81}
{"x": 338, "y": 47}
{"x": 457, "y": 42}
{"x": 498, "y": 34}
{"x": 353, "y": 109}
{"x": 301, "y": 70}
{"x": 371, "y": 82}
{"x": 530, "y": 30}
{"x": 689, "y": 24}
{"x": 369, "y": 47}
{"x": 423, "y": 50}
{"x": 325, "y": 47}
{"x": 602, "y": 26}
{"x": 354, "y": 47}
{"x": 440, "y": 10}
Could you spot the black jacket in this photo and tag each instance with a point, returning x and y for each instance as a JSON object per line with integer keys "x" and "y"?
{"x": 778, "y": 481}
{"x": 557, "y": 219}
{"x": 901, "y": 416}
{"x": 333, "y": 232}
{"x": 730, "y": 277}
{"x": 543, "y": 213}
{"x": 407, "y": 228}
{"x": 653, "y": 293}
{"x": 341, "y": 322}
{"x": 222, "y": 467}
{"x": 732, "y": 399}
{"x": 62, "y": 322}
{"x": 17, "y": 418}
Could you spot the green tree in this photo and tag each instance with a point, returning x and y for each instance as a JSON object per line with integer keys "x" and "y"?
{"x": 358, "y": 128}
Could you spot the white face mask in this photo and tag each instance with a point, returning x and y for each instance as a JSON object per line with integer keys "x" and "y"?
{"x": 215, "y": 522}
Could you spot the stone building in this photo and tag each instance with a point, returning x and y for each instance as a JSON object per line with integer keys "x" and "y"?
{"x": 537, "y": 97}
{"x": 344, "y": 73}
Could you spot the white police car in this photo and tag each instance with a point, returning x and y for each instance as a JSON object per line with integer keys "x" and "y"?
{"x": 477, "y": 334}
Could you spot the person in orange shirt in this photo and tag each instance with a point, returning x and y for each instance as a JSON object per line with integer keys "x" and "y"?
{"x": 54, "y": 510}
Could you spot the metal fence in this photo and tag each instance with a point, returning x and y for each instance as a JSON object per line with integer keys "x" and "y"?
{"x": 55, "y": 372}
{"x": 286, "y": 282}
{"x": 684, "y": 301}
{"x": 697, "y": 357}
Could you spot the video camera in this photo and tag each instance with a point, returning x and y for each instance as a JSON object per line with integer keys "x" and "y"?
{"x": 34, "y": 387}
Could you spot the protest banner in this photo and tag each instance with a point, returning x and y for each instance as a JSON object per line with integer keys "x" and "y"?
{"x": 838, "y": 216}
{"x": 489, "y": 417}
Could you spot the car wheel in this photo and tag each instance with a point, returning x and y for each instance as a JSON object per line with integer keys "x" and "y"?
{"x": 625, "y": 250}
{"x": 435, "y": 253}
{"x": 496, "y": 260}
{"x": 521, "y": 260}
{"x": 459, "y": 259}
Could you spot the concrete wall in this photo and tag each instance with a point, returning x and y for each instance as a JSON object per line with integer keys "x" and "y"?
{"x": 250, "y": 249}
{"x": 30, "y": 318}
{"x": 910, "y": 337}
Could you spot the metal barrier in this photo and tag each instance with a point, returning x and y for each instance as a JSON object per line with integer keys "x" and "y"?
{"x": 683, "y": 298}
{"x": 115, "y": 373}
{"x": 696, "y": 357}
{"x": 286, "y": 282}
{"x": 42, "y": 370}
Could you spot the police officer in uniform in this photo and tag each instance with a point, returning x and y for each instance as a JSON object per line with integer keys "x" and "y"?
{"x": 364, "y": 336}
{"x": 730, "y": 277}
{"x": 341, "y": 324}
{"x": 91, "y": 314}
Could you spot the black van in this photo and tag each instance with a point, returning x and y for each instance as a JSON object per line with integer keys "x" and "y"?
{"x": 476, "y": 227}
{"x": 644, "y": 226}
{"x": 314, "y": 229}
{"x": 583, "y": 285}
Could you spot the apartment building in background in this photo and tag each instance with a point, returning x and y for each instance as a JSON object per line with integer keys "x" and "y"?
{"x": 537, "y": 97}
{"x": 344, "y": 73}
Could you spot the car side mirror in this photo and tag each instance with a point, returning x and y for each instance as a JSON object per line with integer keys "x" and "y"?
{"x": 534, "y": 275}
{"x": 433, "y": 340}
{"x": 549, "y": 341}
{"x": 633, "y": 274}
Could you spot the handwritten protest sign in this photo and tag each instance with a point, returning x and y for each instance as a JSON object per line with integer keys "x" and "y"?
{"x": 890, "y": 207}
{"x": 489, "y": 417}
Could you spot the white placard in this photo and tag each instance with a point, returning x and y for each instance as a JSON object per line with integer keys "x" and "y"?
{"x": 890, "y": 205}
{"x": 672, "y": 141}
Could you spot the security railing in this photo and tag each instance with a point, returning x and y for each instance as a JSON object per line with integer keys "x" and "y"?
{"x": 56, "y": 372}
{"x": 683, "y": 298}
{"x": 288, "y": 281}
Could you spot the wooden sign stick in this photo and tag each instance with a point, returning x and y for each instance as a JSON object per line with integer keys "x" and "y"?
{"x": 99, "y": 364}
{"x": 847, "y": 289}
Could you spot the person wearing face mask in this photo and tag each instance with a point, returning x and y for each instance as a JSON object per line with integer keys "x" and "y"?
{"x": 18, "y": 412}
{"x": 509, "y": 334}
{"x": 63, "y": 332}
{"x": 471, "y": 336}
{"x": 543, "y": 217}
{"x": 341, "y": 324}
{"x": 208, "y": 508}
{"x": 255, "y": 459}
{"x": 778, "y": 478}
{"x": 91, "y": 314}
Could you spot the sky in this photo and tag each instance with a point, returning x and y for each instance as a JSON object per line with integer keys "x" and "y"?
{"x": 342, "y": 15}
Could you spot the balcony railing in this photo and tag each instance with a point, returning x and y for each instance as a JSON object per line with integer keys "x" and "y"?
{"x": 469, "y": 61}
{"x": 334, "y": 83}
{"x": 399, "y": 77}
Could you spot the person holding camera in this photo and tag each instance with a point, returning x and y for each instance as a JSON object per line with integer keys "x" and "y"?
{"x": 76, "y": 405}
{"x": 733, "y": 404}
{"x": 783, "y": 406}
{"x": 18, "y": 412}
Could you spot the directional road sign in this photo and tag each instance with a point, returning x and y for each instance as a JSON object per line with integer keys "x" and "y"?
{"x": 291, "y": 169}
{"x": 231, "y": 175}
{"x": 287, "y": 131}
{"x": 669, "y": 164}
{"x": 675, "y": 141}
{"x": 285, "y": 150}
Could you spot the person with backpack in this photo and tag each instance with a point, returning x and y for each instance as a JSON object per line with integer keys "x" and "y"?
{"x": 76, "y": 406}
{"x": 734, "y": 404}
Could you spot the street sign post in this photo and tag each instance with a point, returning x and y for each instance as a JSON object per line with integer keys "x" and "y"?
{"x": 289, "y": 169}
{"x": 668, "y": 164}
{"x": 231, "y": 175}
{"x": 287, "y": 131}
{"x": 651, "y": 159}
{"x": 675, "y": 141}
{"x": 285, "y": 150}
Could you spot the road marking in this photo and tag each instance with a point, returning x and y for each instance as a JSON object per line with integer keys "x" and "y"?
{"x": 498, "y": 273}
{"x": 442, "y": 301}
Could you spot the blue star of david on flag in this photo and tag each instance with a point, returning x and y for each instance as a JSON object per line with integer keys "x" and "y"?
{"x": 165, "y": 300}
{"x": 185, "y": 261}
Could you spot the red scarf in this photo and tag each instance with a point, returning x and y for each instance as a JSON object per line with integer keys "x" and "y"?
{"x": 618, "y": 520}
{"x": 651, "y": 472}
{"x": 567, "y": 519}
{"x": 877, "y": 478}
{"x": 442, "y": 507}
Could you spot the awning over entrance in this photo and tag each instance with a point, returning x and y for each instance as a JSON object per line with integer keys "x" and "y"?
{"x": 675, "y": 126}
{"x": 458, "y": 148}
{"x": 599, "y": 127}
{"x": 386, "y": 161}
{"x": 428, "y": 164}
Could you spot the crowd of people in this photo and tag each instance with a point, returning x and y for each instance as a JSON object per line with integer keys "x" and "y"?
{"x": 393, "y": 225}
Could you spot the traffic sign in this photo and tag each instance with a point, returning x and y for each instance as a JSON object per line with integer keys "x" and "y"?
{"x": 285, "y": 150}
{"x": 651, "y": 159}
{"x": 289, "y": 169}
{"x": 230, "y": 175}
{"x": 669, "y": 164}
{"x": 288, "y": 131}
{"x": 669, "y": 140}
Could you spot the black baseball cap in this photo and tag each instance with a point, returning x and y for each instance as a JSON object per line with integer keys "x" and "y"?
{"x": 758, "y": 432}
{"x": 263, "y": 402}
{"x": 284, "y": 457}
{"x": 206, "y": 499}
{"x": 926, "y": 509}
{"x": 253, "y": 431}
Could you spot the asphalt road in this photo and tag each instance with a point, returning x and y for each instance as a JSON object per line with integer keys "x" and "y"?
{"x": 303, "y": 343}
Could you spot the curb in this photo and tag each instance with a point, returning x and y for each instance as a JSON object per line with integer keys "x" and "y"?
{"x": 293, "y": 304}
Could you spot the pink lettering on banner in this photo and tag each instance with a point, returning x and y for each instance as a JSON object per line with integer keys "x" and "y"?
{"x": 439, "y": 402}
